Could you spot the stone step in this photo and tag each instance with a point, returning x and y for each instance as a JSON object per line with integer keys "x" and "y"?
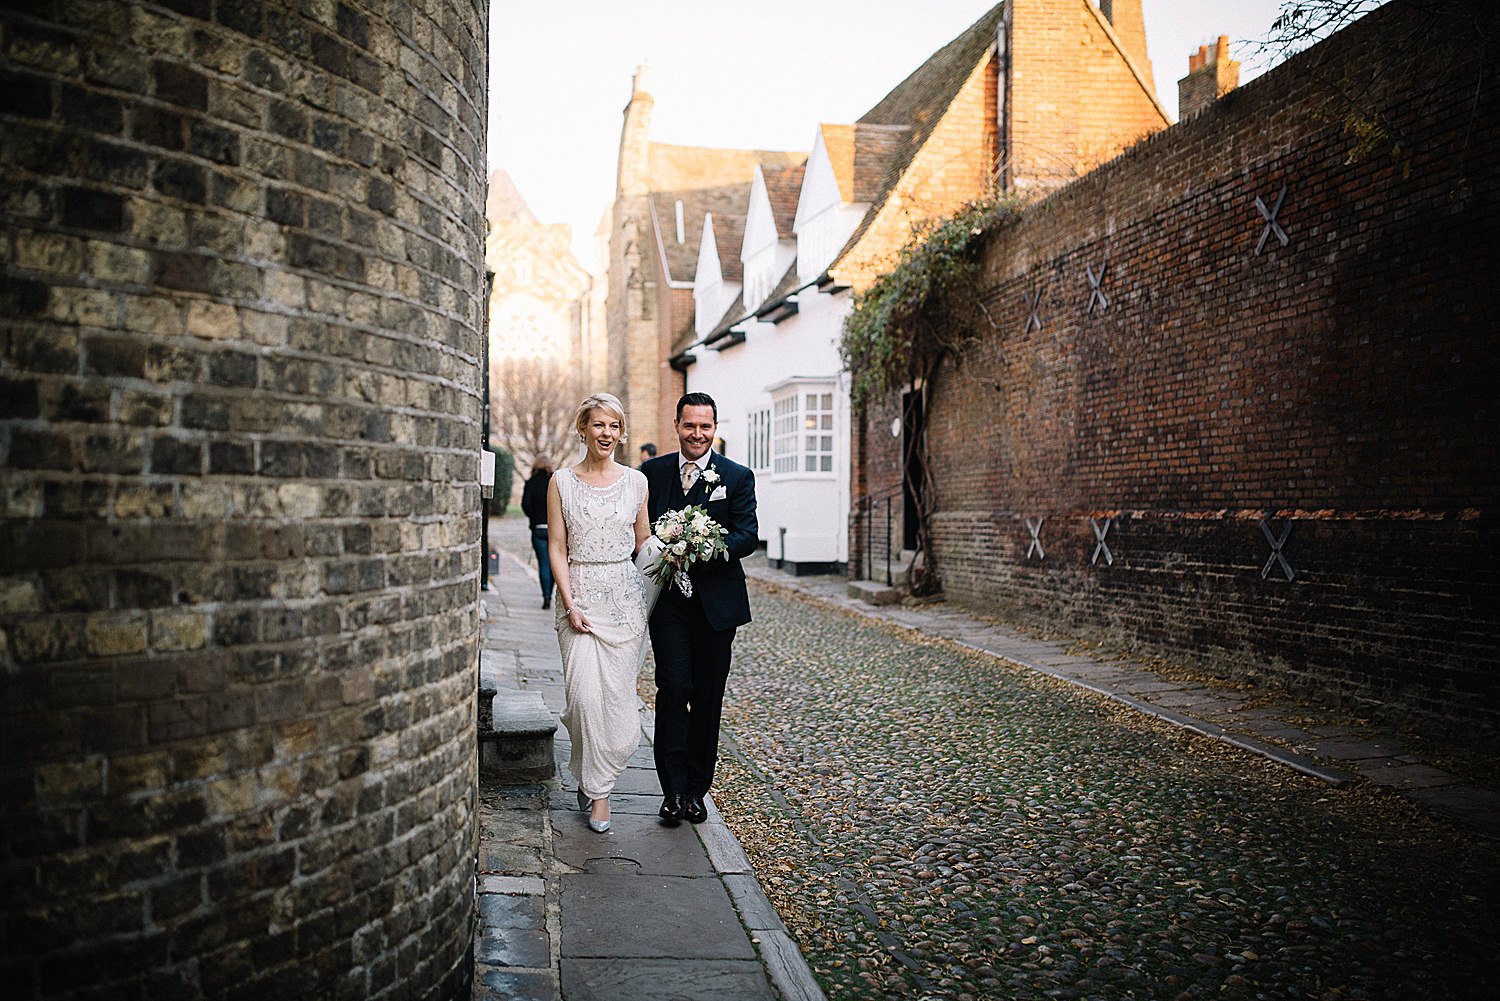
{"x": 873, "y": 592}
{"x": 515, "y": 736}
{"x": 876, "y": 591}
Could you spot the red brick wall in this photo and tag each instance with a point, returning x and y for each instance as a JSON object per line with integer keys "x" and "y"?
{"x": 1341, "y": 384}
{"x": 1074, "y": 103}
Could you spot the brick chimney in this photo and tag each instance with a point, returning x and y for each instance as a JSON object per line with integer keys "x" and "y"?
{"x": 630, "y": 172}
{"x": 1211, "y": 75}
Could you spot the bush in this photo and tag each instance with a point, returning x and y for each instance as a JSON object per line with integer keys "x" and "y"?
{"x": 505, "y": 479}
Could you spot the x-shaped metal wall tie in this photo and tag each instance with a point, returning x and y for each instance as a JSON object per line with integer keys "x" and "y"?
{"x": 1100, "y": 546}
{"x": 1272, "y": 226}
{"x": 1035, "y": 528}
{"x": 1276, "y": 545}
{"x": 1034, "y": 318}
{"x": 1096, "y": 294}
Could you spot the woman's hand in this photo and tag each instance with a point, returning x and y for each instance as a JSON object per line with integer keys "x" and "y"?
{"x": 579, "y": 621}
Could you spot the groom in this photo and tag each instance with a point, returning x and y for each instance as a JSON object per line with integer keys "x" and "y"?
{"x": 691, "y": 637}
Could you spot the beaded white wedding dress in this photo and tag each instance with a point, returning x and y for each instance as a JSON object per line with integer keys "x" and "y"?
{"x": 600, "y": 666}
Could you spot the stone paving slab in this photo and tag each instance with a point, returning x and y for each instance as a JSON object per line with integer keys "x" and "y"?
{"x": 1195, "y": 700}
{"x": 755, "y": 908}
{"x": 1414, "y": 776}
{"x": 650, "y": 916}
{"x": 640, "y": 843}
{"x": 1144, "y": 686}
{"x": 525, "y": 947}
{"x": 664, "y": 980}
{"x": 787, "y": 970}
{"x": 1355, "y": 750}
{"x": 515, "y": 985}
{"x": 1477, "y": 807}
{"x": 511, "y": 910}
{"x": 723, "y": 849}
{"x": 634, "y": 781}
{"x": 512, "y": 884}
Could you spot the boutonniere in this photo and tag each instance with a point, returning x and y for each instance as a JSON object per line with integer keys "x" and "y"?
{"x": 710, "y": 476}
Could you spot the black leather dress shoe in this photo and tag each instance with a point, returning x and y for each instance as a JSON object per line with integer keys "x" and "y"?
{"x": 693, "y": 810}
{"x": 671, "y": 810}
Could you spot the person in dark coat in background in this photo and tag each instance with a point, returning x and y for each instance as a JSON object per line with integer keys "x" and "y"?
{"x": 534, "y": 503}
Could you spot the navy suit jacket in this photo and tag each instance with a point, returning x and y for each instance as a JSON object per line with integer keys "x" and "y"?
{"x": 718, "y": 583}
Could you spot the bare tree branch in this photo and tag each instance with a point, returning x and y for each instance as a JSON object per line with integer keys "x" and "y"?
{"x": 534, "y": 403}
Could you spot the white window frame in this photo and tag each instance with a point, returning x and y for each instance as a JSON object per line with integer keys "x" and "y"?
{"x": 758, "y": 423}
{"x": 803, "y": 433}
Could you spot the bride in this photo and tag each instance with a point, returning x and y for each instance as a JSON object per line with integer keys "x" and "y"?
{"x": 596, "y": 518}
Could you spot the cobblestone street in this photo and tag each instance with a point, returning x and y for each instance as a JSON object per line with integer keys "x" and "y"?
{"x": 932, "y": 822}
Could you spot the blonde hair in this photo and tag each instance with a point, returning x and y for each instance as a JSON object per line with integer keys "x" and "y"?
{"x": 606, "y": 402}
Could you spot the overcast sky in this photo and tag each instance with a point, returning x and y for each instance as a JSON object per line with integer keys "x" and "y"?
{"x": 758, "y": 75}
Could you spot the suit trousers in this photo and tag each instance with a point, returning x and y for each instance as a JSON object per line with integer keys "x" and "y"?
{"x": 692, "y": 668}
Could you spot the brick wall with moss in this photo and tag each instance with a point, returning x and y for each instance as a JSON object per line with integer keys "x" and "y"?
{"x": 240, "y": 332}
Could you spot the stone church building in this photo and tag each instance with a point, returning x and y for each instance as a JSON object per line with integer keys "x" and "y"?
{"x": 540, "y": 302}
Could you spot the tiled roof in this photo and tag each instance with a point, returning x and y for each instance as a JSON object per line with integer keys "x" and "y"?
{"x": 922, "y": 98}
{"x": 676, "y": 168}
{"x": 789, "y": 283}
{"x": 916, "y": 106}
{"x": 875, "y": 152}
{"x": 783, "y": 187}
{"x": 727, "y": 203}
{"x": 861, "y": 157}
{"x": 734, "y": 314}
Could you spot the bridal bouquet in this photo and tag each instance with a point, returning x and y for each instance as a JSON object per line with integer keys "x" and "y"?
{"x": 687, "y": 537}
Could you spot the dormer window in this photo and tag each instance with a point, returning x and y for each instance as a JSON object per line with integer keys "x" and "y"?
{"x": 766, "y": 252}
{"x": 712, "y": 295}
{"x": 821, "y": 229}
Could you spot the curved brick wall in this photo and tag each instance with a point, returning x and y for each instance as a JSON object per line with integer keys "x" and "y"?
{"x": 241, "y": 308}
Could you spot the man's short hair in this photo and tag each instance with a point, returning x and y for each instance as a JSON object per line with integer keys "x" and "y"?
{"x": 649, "y": 448}
{"x": 697, "y": 400}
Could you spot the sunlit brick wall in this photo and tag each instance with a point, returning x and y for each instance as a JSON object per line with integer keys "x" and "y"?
{"x": 240, "y": 329}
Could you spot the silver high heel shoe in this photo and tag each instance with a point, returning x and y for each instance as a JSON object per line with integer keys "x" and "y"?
{"x": 585, "y": 804}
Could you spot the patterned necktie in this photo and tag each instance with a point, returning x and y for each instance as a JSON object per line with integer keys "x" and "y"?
{"x": 689, "y": 476}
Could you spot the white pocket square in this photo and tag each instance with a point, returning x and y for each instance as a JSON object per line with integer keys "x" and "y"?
{"x": 719, "y": 494}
